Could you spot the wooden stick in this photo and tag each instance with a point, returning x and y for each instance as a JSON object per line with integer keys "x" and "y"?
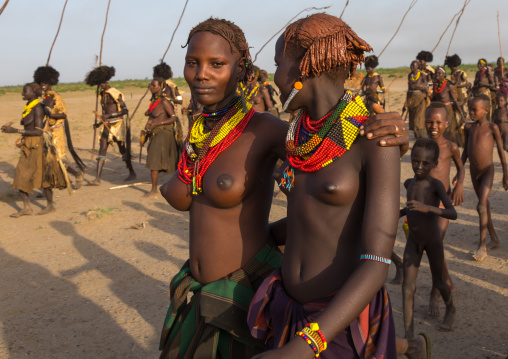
{"x": 95, "y": 122}
{"x": 289, "y": 22}
{"x": 172, "y": 36}
{"x": 345, "y": 6}
{"x": 500, "y": 47}
{"x": 103, "y": 32}
{"x": 444, "y": 32}
{"x": 3, "y": 7}
{"x": 466, "y": 2}
{"x": 413, "y": 3}
{"x": 58, "y": 31}
{"x": 131, "y": 185}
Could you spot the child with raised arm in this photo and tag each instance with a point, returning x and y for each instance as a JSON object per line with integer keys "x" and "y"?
{"x": 436, "y": 123}
{"x": 480, "y": 136}
{"x": 424, "y": 193}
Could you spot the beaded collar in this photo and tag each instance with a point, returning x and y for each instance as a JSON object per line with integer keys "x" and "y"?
{"x": 415, "y": 78}
{"x": 193, "y": 166}
{"x": 28, "y": 107}
{"x": 439, "y": 87}
{"x": 219, "y": 113}
{"x": 311, "y": 148}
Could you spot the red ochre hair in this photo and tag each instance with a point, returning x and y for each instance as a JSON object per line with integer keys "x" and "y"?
{"x": 327, "y": 43}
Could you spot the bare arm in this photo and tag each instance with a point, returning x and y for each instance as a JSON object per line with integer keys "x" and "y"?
{"x": 466, "y": 140}
{"x": 384, "y": 124}
{"x": 123, "y": 110}
{"x": 500, "y": 151}
{"x": 447, "y": 212}
{"x": 266, "y": 98}
{"x": 458, "y": 191}
{"x": 381, "y": 83}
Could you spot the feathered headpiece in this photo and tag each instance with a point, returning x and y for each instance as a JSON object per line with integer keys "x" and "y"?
{"x": 453, "y": 61}
{"x": 162, "y": 70}
{"x": 371, "y": 61}
{"x": 99, "y": 75}
{"x": 47, "y": 75}
{"x": 425, "y": 56}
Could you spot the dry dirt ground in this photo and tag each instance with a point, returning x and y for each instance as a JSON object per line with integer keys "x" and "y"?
{"x": 80, "y": 283}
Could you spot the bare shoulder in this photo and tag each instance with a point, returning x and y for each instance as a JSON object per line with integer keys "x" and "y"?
{"x": 468, "y": 125}
{"x": 408, "y": 182}
{"x": 451, "y": 146}
{"x": 269, "y": 126}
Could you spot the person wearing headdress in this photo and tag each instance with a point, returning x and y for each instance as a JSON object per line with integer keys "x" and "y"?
{"x": 484, "y": 82}
{"x": 58, "y": 124}
{"x": 38, "y": 165}
{"x": 458, "y": 80}
{"x": 160, "y": 129}
{"x": 416, "y": 99}
{"x": 171, "y": 92}
{"x": 371, "y": 85}
{"x": 444, "y": 92}
{"x": 424, "y": 57}
{"x": 112, "y": 124}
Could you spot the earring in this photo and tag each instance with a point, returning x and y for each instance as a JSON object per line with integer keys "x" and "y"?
{"x": 297, "y": 87}
{"x": 242, "y": 95}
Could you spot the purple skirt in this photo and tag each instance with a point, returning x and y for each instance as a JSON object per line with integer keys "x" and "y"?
{"x": 275, "y": 317}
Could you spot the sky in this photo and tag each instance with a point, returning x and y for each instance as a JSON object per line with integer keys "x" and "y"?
{"x": 138, "y": 32}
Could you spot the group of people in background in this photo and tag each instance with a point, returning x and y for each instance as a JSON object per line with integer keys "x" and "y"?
{"x": 325, "y": 296}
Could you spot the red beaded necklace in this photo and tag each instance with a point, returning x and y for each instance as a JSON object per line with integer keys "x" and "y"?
{"x": 153, "y": 104}
{"x": 439, "y": 87}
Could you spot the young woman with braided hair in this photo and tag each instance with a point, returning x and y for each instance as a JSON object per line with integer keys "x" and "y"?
{"x": 225, "y": 182}
{"x": 343, "y": 209}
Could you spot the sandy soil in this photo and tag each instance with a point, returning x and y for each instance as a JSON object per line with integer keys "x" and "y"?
{"x": 80, "y": 283}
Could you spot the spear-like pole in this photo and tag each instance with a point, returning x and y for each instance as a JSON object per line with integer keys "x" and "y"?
{"x": 57, "y": 32}
{"x": 413, "y": 3}
{"x": 500, "y": 47}
{"x": 4, "y": 6}
{"x": 466, "y": 2}
{"x": 163, "y": 56}
{"x": 289, "y": 22}
{"x": 345, "y": 6}
{"x": 444, "y": 32}
{"x": 97, "y": 90}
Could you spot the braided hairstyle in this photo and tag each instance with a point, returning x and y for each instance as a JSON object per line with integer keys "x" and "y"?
{"x": 324, "y": 44}
{"x": 232, "y": 34}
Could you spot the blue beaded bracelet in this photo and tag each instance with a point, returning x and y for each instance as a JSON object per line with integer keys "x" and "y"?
{"x": 372, "y": 257}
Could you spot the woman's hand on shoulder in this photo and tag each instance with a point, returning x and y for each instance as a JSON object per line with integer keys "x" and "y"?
{"x": 385, "y": 124}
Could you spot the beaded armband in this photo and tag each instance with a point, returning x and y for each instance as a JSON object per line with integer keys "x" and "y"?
{"x": 372, "y": 257}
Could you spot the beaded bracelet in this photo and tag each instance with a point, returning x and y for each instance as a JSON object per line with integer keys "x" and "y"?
{"x": 315, "y": 328}
{"x": 372, "y": 257}
{"x": 313, "y": 345}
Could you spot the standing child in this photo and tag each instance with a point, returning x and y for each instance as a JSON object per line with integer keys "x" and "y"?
{"x": 480, "y": 136}
{"x": 424, "y": 194}
{"x": 500, "y": 118}
{"x": 436, "y": 123}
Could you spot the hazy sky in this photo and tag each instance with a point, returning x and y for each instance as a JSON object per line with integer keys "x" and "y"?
{"x": 138, "y": 31}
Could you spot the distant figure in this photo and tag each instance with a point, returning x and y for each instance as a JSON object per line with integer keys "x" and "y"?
{"x": 480, "y": 137}
{"x": 458, "y": 80}
{"x": 371, "y": 84}
{"x": 416, "y": 100}
{"x": 424, "y": 193}
{"x": 424, "y": 57}
{"x": 484, "y": 82}
{"x": 500, "y": 118}
{"x": 501, "y": 75}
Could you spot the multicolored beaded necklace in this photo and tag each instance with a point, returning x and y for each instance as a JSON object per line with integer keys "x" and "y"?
{"x": 28, "y": 107}
{"x": 413, "y": 78}
{"x": 153, "y": 103}
{"x": 219, "y": 113}
{"x": 192, "y": 167}
{"x": 439, "y": 87}
{"x": 250, "y": 92}
{"x": 314, "y": 145}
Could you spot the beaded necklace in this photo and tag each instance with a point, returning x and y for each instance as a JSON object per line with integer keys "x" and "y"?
{"x": 250, "y": 92}
{"x": 413, "y": 78}
{"x": 28, "y": 107}
{"x": 153, "y": 103}
{"x": 221, "y": 112}
{"x": 311, "y": 148}
{"x": 192, "y": 167}
{"x": 439, "y": 87}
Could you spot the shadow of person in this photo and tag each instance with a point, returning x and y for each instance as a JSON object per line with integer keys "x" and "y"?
{"x": 144, "y": 294}
{"x": 44, "y": 315}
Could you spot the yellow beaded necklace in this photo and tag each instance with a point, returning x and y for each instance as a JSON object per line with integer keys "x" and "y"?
{"x": 28, "y": 108}
{"x": 198, "y": 136}
{"x": 413, "y": 79}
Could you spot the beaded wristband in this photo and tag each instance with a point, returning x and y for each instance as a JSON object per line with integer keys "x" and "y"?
{"x": 372, "y": 257}
{"x": 315, "y": 328}
{"x": 309, "y": 340}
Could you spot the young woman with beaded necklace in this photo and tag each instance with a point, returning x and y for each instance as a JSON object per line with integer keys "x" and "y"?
{"x": 343, "y": 209}
{"x": 227, "y": 188}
